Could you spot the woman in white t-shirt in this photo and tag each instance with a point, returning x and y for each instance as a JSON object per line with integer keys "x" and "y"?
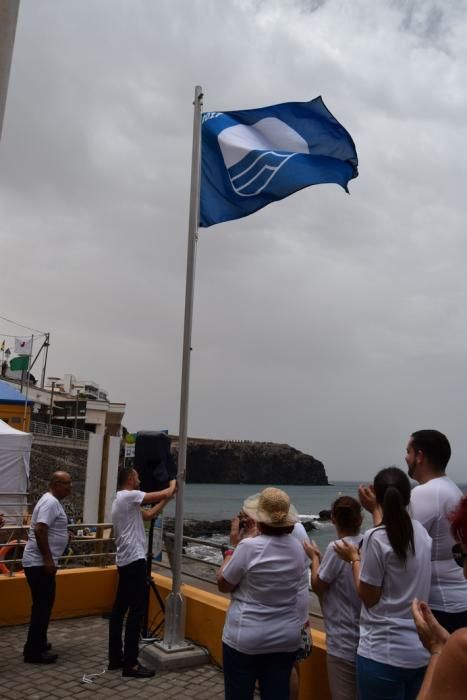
{"x": 332, "y": 581}
{"x": 392, "y": 568}
{"x": 264, "y": 574}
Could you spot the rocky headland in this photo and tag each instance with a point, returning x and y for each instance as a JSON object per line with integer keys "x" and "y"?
{"x": 244, "y": 462}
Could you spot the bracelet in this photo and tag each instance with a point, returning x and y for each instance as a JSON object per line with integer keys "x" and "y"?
{"x": 435, "y": 653}
{"x": 352, "y": 561}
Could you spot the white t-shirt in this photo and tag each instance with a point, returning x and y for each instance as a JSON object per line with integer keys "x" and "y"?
{"x": 303, "y": 600}
{"x": 265, "y": 615}
{"x": 387, "y": 630}
{"x": 48, "y": 511}
{"x": 127, "y": 520}
{"x": 340, "y": 604}
{"x": 430, "y": 504}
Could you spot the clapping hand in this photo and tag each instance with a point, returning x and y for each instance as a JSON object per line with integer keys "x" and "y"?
{"x": 367, "y": 498}
{"x": 432, "y": 635}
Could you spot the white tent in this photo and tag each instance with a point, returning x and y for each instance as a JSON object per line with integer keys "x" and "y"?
{"x": 15, "y": 453}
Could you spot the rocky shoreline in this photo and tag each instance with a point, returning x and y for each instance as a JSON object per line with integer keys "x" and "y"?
{"x": 207, "y": 528}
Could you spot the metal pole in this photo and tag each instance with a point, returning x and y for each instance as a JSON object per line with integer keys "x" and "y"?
{"x": 8, "y": 18}
{"x": 27, "y": 384}
{"x": 51, "y": 408}
{"x": 44, "y": 366}
{"x": 175, "y": 624}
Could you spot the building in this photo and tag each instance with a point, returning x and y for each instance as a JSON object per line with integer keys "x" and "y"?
{"x": 83, "y": 404}
{"x": 15, "y": 407}
{"x": 69, "y": 403}
{"x": 87, "y": 388}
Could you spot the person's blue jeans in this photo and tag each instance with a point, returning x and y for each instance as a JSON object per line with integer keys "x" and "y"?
{"x": 376, "y": 681}
{"x": 241, "y": 671}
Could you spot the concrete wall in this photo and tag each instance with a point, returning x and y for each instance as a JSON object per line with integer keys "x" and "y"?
{"x": 80, "y": 592}
{"x": 83, "y": 460}
{"x": 50, "y": 454}
{"x": 205, "y": 615}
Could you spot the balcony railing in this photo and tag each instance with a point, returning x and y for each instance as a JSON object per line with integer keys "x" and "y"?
{"x": 91, "y": 544}
{"x": 39, "y": 428}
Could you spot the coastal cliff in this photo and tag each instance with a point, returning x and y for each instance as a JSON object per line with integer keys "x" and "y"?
{"x": 244, "y": 462}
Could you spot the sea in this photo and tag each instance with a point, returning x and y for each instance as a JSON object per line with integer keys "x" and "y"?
{"x": 223, "y": 501}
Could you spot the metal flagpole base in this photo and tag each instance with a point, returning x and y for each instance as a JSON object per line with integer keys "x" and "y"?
{"x": 184, "y": 655}
{"x": 174, "y": 620}
{"x": 174, "y": 651}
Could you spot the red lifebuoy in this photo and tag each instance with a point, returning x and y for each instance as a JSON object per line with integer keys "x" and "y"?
{"x": 5, "y": 551}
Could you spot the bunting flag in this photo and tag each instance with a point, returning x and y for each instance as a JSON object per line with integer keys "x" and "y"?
{"x": 19, "y": 363}
{"x": 23, "y": 346}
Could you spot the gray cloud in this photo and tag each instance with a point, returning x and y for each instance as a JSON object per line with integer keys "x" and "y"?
{"x": 335, "y": 323}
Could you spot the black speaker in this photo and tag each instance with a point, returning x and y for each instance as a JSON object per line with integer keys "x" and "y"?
{"x": 153, "y": 461}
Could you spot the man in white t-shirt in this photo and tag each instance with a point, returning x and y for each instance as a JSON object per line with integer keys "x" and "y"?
{"x": 47, "y": 540}
{"x": 130, "y": 543}
{"x": 428, "y": 453}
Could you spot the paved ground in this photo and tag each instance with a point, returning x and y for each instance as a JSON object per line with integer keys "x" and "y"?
{"x": 82, "y": 644}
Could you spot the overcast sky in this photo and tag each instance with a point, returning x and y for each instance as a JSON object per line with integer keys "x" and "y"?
{"x": 334, "y": 323}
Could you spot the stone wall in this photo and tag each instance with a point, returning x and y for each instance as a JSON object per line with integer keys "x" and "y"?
{"x": 51, "y": 454}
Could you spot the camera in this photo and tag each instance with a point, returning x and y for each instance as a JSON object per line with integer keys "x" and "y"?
{"x": 242, "y": 521}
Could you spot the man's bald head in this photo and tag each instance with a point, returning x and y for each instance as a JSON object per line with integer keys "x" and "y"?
{"x": 60, "y": 484}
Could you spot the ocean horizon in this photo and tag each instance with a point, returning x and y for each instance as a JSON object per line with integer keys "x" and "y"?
{"x": 223, "y": 501}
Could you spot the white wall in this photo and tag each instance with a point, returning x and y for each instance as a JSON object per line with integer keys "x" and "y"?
{"x": 112, "y": 472}
{"x": 93, "y": 477}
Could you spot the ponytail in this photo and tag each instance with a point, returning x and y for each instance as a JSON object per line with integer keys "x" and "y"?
{"x": 392, "y": 490}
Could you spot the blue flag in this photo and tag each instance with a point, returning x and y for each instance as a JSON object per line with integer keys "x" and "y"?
{"x": 254, "y": 157}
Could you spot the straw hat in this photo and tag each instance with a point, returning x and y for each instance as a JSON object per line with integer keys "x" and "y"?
{"x": 271, "y": 507}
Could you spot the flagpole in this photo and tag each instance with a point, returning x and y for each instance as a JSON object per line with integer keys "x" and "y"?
{"x": 27, "y": 384}
{"x": 174, "y": 623}
{"x": 44, "y": 365}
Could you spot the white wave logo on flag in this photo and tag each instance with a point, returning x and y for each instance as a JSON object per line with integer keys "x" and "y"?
{"x": 254, "y": 154}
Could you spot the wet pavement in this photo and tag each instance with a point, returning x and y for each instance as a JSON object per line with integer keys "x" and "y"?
{"x": 82, "y": 647}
